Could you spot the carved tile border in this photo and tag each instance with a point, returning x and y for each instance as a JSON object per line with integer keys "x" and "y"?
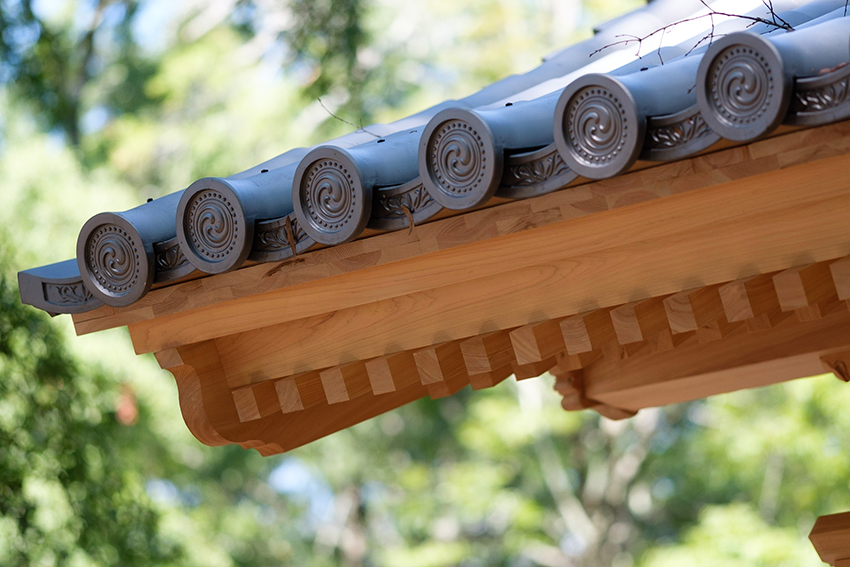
{"x": 272, "y": 243}
{"x": 534, "y": 173}
{"x": 169, "y": 261}
{"x": 388, "y": 206}
{"x": 821, "y": 99}
{"x": 678, "y": 135}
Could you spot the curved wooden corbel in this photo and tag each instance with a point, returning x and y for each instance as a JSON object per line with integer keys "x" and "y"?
{"x": 191, "y": 400}
{"x": 571, "y": 386}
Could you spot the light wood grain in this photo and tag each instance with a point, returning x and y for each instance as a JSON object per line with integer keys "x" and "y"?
{"x": 246, "y": 404}
{"x": 278, "y": 432}
{"x": 588, "y": 331}
{"x": 275, "y": 355}
{"x": 831, "y": 538}
{"x": 218, "y": 407}
{"x": 626, "y": 325}
{"x": 445, "y": 367}
{"x": 288, "y": 395}
{"x": 841, "y": 277}
{"x": 753, "y": 301}
{"x": 837, "y": 362}
{"x": 809, "y": 290}
{"x": 488, "y": 352}
{"x": 192, "y": 406}
{"x": 778, "y": 217}
{"x": 234, "y": 292}
{"x": 641, "y": 326}
{"x": 740, "y": 360}
{"x": 492, "y": 378}
{"x": 392, "y": 373}
{"x": 548, "y": 281}
{"x": 701, "y": 311}
{"x": 681, "y": 315}
{"x": 533, "y": 369}
{"x": 568, "y": 385}
{"x": 569, "y": 362}
{"x": 257, "y": 401}
{"x": 301, "y": 391}
{"x": 345, "y": 382}
{"x": 572, "y": 389}
{"x": 441, "y": 369}
{"x": 537, "y": 342}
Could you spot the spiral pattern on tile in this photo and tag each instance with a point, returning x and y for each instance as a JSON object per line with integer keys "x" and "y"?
{"x": 596, "y": 125}
{"x": 211, "y": 225}
{"x": 457, "y": 158}
{"x": 113, "y": 259}
{"x": 740, "y": 85}
{"x": 329, "y": 195}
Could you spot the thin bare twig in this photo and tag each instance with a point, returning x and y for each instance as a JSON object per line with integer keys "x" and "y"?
{"x": 769, "y": 5}
{"x": 776, "y": 21}
{"x": 359, "y": 128}
{"x": 409, "y": 215}
{"x": 660, "y": 43}
{"x": 708, "y": 36}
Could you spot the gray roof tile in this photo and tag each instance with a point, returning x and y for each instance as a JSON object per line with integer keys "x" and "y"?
{"x": 523, "y": 136}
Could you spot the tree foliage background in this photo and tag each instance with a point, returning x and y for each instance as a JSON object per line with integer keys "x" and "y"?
{"x": 104, "y": 103}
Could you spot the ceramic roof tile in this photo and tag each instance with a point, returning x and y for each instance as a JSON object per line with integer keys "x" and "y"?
{"x": 582, "y": 112}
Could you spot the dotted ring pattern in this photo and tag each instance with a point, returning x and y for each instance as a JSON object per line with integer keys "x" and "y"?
{"x": 457, "y": 158}
{"x": 741, "y": 84}
{"x": 212, "y": 225}
{"x": 596, "y": 125}
{"x": 113, "y": 259}
{"x": 328, "y": 194}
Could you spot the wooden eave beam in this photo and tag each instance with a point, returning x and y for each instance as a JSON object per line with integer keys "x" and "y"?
{"x": 649, "y": 249}
{"x": 614, "y": 385}
{"x": 739, "y": 361}
{"x": 732, "y": 266}
{"x": 244, "y": 298}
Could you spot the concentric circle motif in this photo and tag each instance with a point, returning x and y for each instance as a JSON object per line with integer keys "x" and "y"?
{"x": 113, "y": 259}
{"x": 328, "y": 195}
{"x": 457, "y": 158}
{"x": 740, "y": 83}
{"x": 211, "y": 225}
{"x": 596, "y": 125}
